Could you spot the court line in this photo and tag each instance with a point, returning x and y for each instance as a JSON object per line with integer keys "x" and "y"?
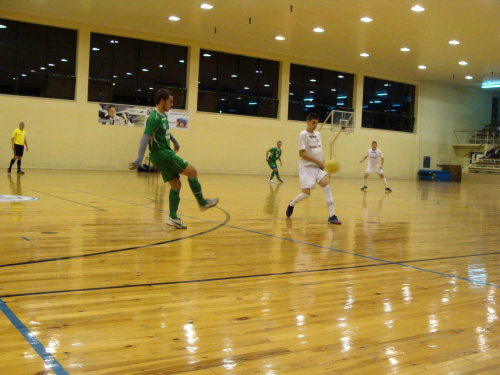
{"x": 31, "y": 338}
{"x": 69, "y": 200}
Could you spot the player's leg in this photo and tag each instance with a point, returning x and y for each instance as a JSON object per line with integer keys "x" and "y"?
{"x": 11, "y": 164}
{"x": 278, "y": 174}
{"x": 272, "y": 165}
{"x": 365, "y": 180}
{"x": 307, "y": 180}
{"x": 192, "y": 175}
{"x": 381, "y": 175}
{"x": 325, "y": 185}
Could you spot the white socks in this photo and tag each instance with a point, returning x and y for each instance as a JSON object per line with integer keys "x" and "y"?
{"x": 298, "y": 198}
{"x": 329, "y": 200}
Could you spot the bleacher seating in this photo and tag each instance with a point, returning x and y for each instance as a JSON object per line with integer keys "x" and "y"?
{"x": 485, "y": 165}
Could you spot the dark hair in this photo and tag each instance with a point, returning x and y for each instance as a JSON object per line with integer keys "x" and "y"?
{"x": 162, "y": 94}
{"x": 375, "y": 143}
{"x": 312, "y": 116}
{"x": 111, "y": 106}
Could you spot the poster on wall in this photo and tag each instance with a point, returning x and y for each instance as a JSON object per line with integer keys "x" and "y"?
{"x": 129, "y": 115}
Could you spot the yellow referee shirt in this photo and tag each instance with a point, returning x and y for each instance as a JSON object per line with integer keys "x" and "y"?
{"x": 18, "y": 136}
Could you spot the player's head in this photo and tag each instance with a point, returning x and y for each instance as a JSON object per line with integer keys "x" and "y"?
{"x": 21, "y": 125}
{"x": 111, "y": 111}
{"x": 312, "y": 121}
{"x": 279, "y": 144}
{"x": 374, "y": 145}
{"x": 164, "y": 98}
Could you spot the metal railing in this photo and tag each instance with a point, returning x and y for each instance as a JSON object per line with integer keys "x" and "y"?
{"x": 475, "y": 137}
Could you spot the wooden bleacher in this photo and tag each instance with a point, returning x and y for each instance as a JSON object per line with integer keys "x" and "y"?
{"x": 484, "y": 165}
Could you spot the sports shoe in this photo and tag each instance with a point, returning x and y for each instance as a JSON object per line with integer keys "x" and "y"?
{"x": 20, "y": 172}
{"x": 280, "y": 180}
{"x": 271, "y": 181}
{"x": 289, "y": 210}
{"x": 210, "y": 203}
{"x": 364, "y": 188}
{"x": 334, "y": 220}
{"x": 8, "y": 170}
{"x": 176, "y": 223}
{"x": 388, "y": 190}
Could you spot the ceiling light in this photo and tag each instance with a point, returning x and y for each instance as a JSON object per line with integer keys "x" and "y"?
{"x": 64, "y": 60}
{"x": 145, "y": 70}
{"x": 364, "y": 54}
{"x": 182, "y": 61}
{"x": 318, "y": 30}
{"x": 422, "y": 67}
{"x": 462, "y": 62}
{"x": 404, "y": 49}
{"x": 340, "y": 76}
{"x": 95, "y": 49}
{"x": 366, "y": 19}
{"x": 417, "y": 8}
{"x": 279, "y": 37}
{"x": 3, "y": 27}
{"x": 491, "y": 85}
{"x": 469, "y": 77}
{"x": 174, "y": 18}
{"x": 454, "y": 42}
{"x": 207, "y": 55}
{"x": 206, "y": 6}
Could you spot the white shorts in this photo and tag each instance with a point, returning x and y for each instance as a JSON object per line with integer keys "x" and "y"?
{"x": 310, "y": 176}
{"x": 374, "y": 169}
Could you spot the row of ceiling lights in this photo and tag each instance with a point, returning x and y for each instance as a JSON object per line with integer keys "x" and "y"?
{"x": 417, "y": 8}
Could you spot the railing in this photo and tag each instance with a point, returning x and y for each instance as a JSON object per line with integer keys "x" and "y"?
{"x": 475, "y": 137}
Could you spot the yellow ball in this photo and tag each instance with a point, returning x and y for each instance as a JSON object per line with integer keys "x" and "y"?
{"x": 332, "y": 166}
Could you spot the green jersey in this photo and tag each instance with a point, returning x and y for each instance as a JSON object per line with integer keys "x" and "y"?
{"x": 274, "y": 154}
{"x": 159, "y": 145}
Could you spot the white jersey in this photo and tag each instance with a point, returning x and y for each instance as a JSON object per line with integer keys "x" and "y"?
{"x": 374, "y": 158}
{"x": 311, "y": 144}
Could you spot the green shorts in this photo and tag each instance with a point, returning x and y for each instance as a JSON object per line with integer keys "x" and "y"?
{"x": 169, "y": 168}
{"x": 272, "y": 164}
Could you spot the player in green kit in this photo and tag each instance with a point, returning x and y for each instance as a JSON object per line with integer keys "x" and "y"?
{"x": 272, "y": 155}
{"x": 165, "y": 159}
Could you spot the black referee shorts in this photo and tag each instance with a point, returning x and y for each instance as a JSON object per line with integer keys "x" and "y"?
{"x": 18, "y": 150}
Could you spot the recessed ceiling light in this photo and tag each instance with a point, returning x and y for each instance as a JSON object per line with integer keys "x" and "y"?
{"x": 182, "y": 61}
{"x": 279, "y": 37}
{"x": 469, "y": 77}
{"x": 3, "y": 27}
{"x": 174, "y": 18}
{"x": 95, "y": 49}
{"x": 364, "y": 54}
{"x": 404, "y": 49}
{"x": 206, "y": 6}
{"x": 462, "y": 62}
{"x": 366, "y": 19}
{"x": 454, "y": 42}
{"x": 417, "y": 8}
{"x": 422, "y": 67}
{"x": 318, "y": 30}
{"x": 340, "y": 76}
{"x": 207, "y": 55}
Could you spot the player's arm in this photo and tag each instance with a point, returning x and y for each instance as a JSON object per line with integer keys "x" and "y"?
{"x": 362, "y": 160}
{"x": 26, "y": 144}
{"x": 12, "y": 141}
{"x": 143, "y": 144}
{"x": 303, "y": 155}
{"x": 267, "y": 155}
{"x": 280, "y": 161}
{"x": 381, "y": 162}
{"x": 176, "y": 144}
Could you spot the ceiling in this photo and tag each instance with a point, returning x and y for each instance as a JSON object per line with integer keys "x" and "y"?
{"x": 252, "y": 25}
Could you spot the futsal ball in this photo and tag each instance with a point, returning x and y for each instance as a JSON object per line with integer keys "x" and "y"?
{"x": 332, "y": 166}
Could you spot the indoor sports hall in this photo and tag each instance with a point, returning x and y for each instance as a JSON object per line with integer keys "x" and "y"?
{"x": 93, "y": 281}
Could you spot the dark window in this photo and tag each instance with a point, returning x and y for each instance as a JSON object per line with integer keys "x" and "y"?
{"x": 238, "y": 85}
{"x": 37, "y": 60}
{"x": 388, "y": 105}
{"x": 130, "y": 71}
{"x": 318, "y": 90}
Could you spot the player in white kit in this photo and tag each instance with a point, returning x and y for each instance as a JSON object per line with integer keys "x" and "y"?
{"x": 311, "y": 165}
{"x": 375, "y": 164}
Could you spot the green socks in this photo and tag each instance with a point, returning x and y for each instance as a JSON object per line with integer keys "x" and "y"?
{"x": 174, "y": 199}
{"x": 196, "y": 189}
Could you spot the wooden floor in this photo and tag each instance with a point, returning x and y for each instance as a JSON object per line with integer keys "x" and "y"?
{"x": 92, "y": 281}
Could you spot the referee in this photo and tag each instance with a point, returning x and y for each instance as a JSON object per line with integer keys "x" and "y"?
{"x": 18, "y": 141}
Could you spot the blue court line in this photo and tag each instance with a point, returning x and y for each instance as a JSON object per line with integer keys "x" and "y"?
{"x": 30, "y": 337}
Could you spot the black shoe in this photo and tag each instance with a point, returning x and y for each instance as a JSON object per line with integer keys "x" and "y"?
{"x": 364, "y": 188}
{"x": 8, "y": 170}
{"x": 289, "y": 210}
{"x": 20, "y": 172}
{"x": 388, "y": 190}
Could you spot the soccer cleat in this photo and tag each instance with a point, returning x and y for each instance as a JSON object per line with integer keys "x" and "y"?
{"x": 334, "y": 220}
{"x": 280, "y": 180}
{"x": 364, "y": 188}
{"x": 289, "y": 210}
{"x": 271, "y": 181}
{"x": 20, "y": 172}
{"x": 176, "y": 223}
{"x": 210, "y": 203}
{"x": 388, "y": 190}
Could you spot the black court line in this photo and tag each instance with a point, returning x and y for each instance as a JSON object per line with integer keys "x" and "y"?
{"x": 227, "y": 219}
{"x": 69, "y": 200}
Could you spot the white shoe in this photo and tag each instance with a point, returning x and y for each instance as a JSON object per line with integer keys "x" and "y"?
{"x": 271, "y": 181}
{"x": 176, "y": 223}
{"x": 210, "y": 203}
